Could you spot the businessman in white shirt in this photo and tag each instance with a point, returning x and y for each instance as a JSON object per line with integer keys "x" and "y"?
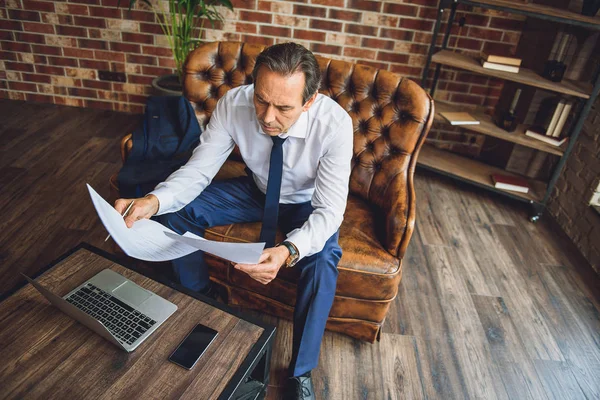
{"x": 298, "y": 145}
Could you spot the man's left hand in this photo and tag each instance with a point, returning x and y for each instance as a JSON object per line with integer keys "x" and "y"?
{"x": 268, "y": 266}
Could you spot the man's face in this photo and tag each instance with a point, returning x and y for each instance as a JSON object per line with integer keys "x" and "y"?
{"x": 278, "y": 100}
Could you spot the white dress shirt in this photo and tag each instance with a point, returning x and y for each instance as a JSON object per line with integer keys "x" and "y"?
{"x": 316, "y": 162}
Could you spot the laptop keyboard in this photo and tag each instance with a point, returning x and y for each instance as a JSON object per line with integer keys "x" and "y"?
{"x": 123, "y": 321}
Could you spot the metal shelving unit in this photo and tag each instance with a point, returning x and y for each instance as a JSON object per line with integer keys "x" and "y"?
{"x": 476, "y": 172}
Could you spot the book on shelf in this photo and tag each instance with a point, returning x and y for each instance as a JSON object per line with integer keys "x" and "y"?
{"x": 564, "y": 114}
{"x": 555, "y": 117}
{"x": 501, "y": 59}
{"x": 459, "y": 118}
{"x": 540, "y": 134}
{"x": 499, "y": 67}
{"x": 513, "y": 183}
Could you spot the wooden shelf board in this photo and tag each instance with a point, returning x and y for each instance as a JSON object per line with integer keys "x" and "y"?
{"x": 487, "y": 127}
{"x": 525, "y": 75}
{"x": 539, "y": 9}
{"x": 475, "y": 172}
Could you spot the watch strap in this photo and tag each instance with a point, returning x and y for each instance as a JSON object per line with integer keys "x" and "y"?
{"x": 291, "y": 247}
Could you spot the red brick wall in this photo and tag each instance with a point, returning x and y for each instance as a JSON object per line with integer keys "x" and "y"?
{"x": 52, "y": 51}
{"x": 575, "y": 186}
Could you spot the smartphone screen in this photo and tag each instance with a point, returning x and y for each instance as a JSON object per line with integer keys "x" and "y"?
{"x": 193, "y": 346}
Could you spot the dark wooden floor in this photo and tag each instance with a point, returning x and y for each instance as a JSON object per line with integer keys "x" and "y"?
{"x": 490, "y": 305}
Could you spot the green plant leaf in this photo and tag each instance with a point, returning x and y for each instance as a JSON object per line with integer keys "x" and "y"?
{"x": 183, "y": 21}
{"x": 227, "y": 4}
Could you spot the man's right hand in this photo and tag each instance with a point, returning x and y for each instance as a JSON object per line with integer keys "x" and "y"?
{"x": 143, "y": 208}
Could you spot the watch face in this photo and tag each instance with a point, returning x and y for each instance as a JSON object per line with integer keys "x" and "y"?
{"x": 291, "y": 261}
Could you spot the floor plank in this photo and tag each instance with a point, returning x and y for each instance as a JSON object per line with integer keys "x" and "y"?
{"x": 400, "y": 367}
{"x": 465, "y": 327}
{"x": 516, "y": 370}
{"x": 559, "y": 380}
{"x": 516, "y": 293}
{"x": 574, "y": 325}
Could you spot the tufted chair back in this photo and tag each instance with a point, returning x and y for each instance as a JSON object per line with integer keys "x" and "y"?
{"x": 391, "y": 118}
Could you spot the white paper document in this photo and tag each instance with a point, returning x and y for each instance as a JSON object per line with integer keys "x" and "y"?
{"x": 240, "y": 253}
{"x": 151, "y": 241}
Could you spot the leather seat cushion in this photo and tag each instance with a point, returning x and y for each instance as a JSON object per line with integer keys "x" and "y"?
{"x": 366, "y": 271}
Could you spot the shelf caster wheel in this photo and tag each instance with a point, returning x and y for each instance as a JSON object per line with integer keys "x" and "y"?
{"x": 536, "y": 212}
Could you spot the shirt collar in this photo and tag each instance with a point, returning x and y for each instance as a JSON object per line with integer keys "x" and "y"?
{"x": 299, "y": 128}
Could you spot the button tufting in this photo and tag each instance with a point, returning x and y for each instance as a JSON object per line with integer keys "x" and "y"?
{"x": 378, "y": 111}
{"x": 227, "y": 79}
{"x": 404, "y": 116}
{"x": 373, "y": 92}
{"x": 385, "y": 131}
{"x": 351, "y": 88}
{"x": 363, "y": 127}
{"x": 218, "y": 62}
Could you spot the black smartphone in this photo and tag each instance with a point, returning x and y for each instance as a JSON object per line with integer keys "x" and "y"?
{"x": 193, "y": 346}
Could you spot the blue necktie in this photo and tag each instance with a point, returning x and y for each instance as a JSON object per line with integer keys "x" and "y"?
{"x": 271, "y": 212}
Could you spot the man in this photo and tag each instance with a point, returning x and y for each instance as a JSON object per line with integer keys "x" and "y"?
{"x": 298, "y": 145}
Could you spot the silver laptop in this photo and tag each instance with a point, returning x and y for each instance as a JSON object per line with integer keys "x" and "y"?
{"x": 114, "y": 307}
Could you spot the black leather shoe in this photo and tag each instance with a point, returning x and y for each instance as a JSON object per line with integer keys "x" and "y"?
{"x": 300, "y": 388}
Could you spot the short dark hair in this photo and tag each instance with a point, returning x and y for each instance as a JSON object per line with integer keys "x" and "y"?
{"x": 289, "y": 58}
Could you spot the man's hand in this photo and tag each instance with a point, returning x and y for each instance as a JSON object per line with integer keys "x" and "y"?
{"x": 143, "y": 208}
{"x": 268, "y": 266}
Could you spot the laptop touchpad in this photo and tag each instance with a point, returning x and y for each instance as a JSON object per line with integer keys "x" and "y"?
{"x": 132, "y": 294}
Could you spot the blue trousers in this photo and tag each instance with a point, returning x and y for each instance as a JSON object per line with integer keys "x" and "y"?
{"x": 239, "y": 200}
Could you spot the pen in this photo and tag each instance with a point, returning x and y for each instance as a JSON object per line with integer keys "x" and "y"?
{"x": 122, "y": 215}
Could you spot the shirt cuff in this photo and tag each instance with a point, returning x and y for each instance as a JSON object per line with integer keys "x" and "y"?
{"x": 302, "y": 242}
{"x": 165, "y": 199}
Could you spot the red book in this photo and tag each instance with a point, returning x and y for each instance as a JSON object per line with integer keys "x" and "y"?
{"x": 513, "y": 183}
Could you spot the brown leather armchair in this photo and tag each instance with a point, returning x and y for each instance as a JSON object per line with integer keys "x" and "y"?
{"x": 392, "y": 117}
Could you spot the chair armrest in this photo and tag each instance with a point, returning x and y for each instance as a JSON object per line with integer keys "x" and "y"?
{"x": 126, "y": 146}
{"x": 401, "y": 214}
{"x": 400, "y": 209}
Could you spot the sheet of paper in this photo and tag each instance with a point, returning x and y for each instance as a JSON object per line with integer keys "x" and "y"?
{"x": 241, "y": 253}
{"x": 151, "y": 241}
{"x": 145, "y": 240}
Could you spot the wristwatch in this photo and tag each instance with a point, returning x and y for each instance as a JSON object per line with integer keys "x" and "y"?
{"x": 294, "y": 255}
